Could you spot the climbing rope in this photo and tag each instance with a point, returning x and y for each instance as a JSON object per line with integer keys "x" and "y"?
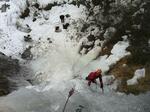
{"x": 71, "y": 92}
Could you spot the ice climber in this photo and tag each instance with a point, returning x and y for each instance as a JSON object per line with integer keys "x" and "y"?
{"x": 93, "y": 76}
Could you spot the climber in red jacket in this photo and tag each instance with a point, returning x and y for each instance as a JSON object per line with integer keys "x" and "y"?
{"x": 93, "y": 76}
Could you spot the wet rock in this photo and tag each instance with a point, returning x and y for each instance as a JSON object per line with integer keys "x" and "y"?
{"x": 91, "y": 38}
{"x": 4, "y": 7}
{"x": 109, "y": 33}
{"x": 65, "y": 26}
{"x": 23, "y": 28}
{"x": 50, "y": 5}
{"x": 34, "y": 19}
{"x": 2, "y": 54}
{"x": 74, "y": 3}
{"x": 36, "y": 14}
{"x": 96, "y": 2}
{"x": 67, "y": 15}
{"x": 27, "y": 38}
{"x": 62, "y": 18}
{"x": 27, "y": 55}
{"x": 8, "y": 68}
{"x": 49, "y": 40}
{"x": 85, "y": 26}
{"x": 80, "y": 108}
{"x": 36, "y": 5}
{"x": 57, "y": 29}
{"x": 86, "y": 46}
{"x": 25, "y": 13}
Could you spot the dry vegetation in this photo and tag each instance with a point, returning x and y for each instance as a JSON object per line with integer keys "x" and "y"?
{"x": 124, "y": 70}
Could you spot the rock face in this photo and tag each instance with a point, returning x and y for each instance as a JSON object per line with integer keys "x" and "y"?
{"x": 65, "y": 26}
{"x": 23, "y": 28}
{"x": 27, "y": 55}
{"x": 62, "y": 18}
{"x": 27, "y": 38}
{"x": 4, "y": 7}
{"x": 8, "y": 68}
{"x": 25, "y": 13}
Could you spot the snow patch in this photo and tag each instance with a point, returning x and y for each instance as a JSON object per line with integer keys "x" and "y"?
{"x": 138, "y": 74}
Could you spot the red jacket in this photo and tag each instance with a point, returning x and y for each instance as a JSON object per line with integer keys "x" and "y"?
{"x": 92, "y": 78}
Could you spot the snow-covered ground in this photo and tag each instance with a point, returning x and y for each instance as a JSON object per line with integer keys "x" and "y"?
{"x": 139, "y": 73}
{"x": 58, "y": 66}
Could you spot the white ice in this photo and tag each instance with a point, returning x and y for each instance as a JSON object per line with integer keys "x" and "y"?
{"x": 138, "y": 74}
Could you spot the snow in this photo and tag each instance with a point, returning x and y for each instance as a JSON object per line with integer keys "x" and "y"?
{"x": 118, "y": 52}
{"x": 61, "y": 44}
{"x": 57, "y": 66}
{"x": 13, "y": 42}
{"x": 139, "y": 73}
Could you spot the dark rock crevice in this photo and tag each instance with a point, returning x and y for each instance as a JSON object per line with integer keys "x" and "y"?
{"x": 8, "y": 68}
{"x": 13, "y": 75}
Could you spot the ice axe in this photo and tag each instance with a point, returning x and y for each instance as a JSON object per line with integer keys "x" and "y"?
{"x": 71, "y": 92}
